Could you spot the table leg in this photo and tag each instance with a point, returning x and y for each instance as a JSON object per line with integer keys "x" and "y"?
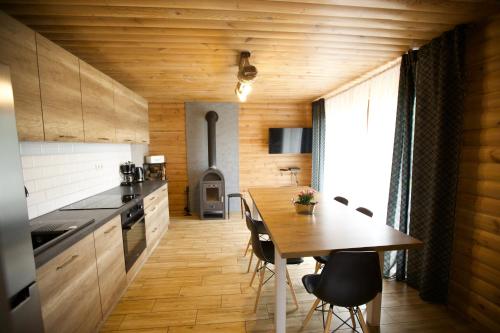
{"x": 374, "y": 307}
{"x": 280, "y": 292}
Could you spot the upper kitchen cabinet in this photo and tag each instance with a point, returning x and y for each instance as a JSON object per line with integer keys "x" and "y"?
{"x": 18, "y": 50}
{"x": 142, "y": 126}
{"x": 97, "y": 104}
{"x": 60, "y": 91}
{"x": 126, "y": 114}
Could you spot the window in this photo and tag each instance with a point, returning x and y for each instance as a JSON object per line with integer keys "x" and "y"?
{"x": 359, "y": 138}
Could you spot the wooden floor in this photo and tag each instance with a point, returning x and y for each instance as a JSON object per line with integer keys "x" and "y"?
{"x": 196, "y": 281}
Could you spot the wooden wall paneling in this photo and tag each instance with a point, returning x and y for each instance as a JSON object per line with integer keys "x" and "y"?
{"x": 474, "y": 290}
{"x": 168, "y": 137}
{"x": 97, "y": 104}
{"x": 60, "y": 92}
{"x": 18, "y": 46}
{"x": 257, "y": 166}
{"x": 188, "y": 50}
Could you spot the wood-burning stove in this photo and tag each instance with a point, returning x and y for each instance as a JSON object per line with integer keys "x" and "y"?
{"x": 212, "y": 185}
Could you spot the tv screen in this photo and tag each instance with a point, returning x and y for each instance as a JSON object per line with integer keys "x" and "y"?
{"x": 290, "y": 140}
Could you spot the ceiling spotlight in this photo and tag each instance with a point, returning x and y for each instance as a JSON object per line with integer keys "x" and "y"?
{"x": 246, "y": 76}
{"x": 242, "y": 91}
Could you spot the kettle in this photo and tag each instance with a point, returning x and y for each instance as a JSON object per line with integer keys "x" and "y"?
{"x": 138, "y": 174}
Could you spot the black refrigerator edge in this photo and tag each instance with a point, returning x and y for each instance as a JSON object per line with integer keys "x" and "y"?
{"x": 19, "y": 299}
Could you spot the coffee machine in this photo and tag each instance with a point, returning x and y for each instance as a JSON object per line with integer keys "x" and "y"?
{"x": 155, "y": 167}
{"x": 127, "y": 170}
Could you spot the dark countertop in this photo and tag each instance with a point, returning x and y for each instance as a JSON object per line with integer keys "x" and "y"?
{"x": 100, "y": 217}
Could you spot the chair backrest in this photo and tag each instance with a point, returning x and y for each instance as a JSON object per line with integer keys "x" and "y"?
{"x": 365, "y": 211}
{"x": 342, "y": 200}
{"x": 350, "y": 278}
{"x": 247, "y": 208}
{"x": 256, "y": 242}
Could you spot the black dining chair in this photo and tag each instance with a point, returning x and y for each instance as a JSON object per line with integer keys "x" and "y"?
{"x": 365, "y": 211}
{"x": 342, "y": 200}
{"x": 264, "y": 251}
{"x": 261, "y": 228}
{"x": 349, "y": 279}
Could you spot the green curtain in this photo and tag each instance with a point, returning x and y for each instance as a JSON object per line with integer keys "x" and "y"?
{"x": 436, "y": 152}
{"x": 318, "y": 144}
{"x": 399, "y": 190}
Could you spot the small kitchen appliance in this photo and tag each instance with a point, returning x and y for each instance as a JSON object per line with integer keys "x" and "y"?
{"x": 155, "y": 167}
{"x": 134, "y": 233}
{"x": 138, "y": 175}
{"x": 127, "y": 170}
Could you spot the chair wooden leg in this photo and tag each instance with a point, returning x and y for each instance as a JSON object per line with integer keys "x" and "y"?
{"x": 261, "y": 282}
{"x": 248, "y": 246}
{"x": 250, "y": 262}
{"x": 310, "y": 313}
{"x": 255, "y": 272}
{"x": 353, "y": 320}
{"x": 291, "y": 289}
{"x": 362, "y": 322}
{"x": 317, "y": 268}
{"x": 328, "y": 321}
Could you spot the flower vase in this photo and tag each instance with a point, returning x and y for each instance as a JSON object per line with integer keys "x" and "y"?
{"x": 305, "y": 209}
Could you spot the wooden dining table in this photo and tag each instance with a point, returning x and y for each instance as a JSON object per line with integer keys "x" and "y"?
{"x": 333, "y": 226}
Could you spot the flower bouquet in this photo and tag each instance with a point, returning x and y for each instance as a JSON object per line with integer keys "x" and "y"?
{"x": 304, "y": 203}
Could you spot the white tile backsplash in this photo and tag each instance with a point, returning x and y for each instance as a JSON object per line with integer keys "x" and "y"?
{"x": 58, "y": 174}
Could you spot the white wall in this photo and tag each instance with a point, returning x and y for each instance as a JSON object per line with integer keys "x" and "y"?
{"x": 57, "y": 174}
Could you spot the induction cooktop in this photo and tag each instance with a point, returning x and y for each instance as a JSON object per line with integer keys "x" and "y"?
{"x": 101, "y": 201}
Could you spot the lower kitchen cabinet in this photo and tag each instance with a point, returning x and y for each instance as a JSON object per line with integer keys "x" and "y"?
{"x": 157, "y": 216}
{"x": 79, "y": 287}
{"x": 69, "y": 290}
{"x": 110, "y": 263}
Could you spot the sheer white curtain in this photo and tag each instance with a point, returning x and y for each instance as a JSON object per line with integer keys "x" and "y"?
{"x": 358, "y": 144}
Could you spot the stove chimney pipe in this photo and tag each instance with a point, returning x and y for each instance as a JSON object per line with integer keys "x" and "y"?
{"x": 211, "y": 118}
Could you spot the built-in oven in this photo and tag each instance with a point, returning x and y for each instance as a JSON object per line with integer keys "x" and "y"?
{"x": 134, "y": 233}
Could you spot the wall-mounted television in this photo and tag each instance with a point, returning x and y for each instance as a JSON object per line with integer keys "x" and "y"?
{"x": 290, "y": 140}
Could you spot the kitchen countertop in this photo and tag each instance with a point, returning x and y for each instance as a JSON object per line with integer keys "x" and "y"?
{"x": 100, "y": 217}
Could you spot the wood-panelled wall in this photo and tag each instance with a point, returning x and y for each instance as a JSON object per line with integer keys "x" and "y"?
{"x": 475, "y": 277}
{"x": 167, "y": 131}
{"x": 257, "y": 166}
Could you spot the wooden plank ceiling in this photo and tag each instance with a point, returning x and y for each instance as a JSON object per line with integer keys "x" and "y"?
{"x": 172, "y": 51}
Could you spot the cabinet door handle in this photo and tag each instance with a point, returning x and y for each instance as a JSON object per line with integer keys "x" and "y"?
{"x": 110, "y": 229}
{"x": 129, "y": 140}
{"x": 164, "y": 189}
{"x": 154, "y": 230}
{"x": 152, "y": 210}
{"x": 144, "y": 141}
{"x": 104, "y": 139}
{"x": 68, "y": 136}
{"x": 152, "y": 198}
{"x": 73, "y": 258}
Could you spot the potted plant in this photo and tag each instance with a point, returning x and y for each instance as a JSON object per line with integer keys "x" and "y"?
{"x": 304, "y": 203}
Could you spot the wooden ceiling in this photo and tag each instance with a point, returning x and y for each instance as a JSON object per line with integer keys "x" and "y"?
{"x": 179, "y": 50}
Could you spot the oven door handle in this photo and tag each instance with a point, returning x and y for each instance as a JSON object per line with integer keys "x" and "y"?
{"x": 131, "y": 226}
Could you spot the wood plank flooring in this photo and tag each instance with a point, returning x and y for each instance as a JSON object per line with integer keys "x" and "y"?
{"x": 196, "y": 281}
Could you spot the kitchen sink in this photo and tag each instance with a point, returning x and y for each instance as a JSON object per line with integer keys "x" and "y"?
{"x": 40, "y": 238}
{"x": 49, "y": 234}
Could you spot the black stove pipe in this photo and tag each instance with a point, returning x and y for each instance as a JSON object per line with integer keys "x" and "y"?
{"x": 211, "y": 118}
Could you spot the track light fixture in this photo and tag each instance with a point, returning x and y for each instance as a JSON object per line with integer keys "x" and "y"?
{"x": 246, "y": 76}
